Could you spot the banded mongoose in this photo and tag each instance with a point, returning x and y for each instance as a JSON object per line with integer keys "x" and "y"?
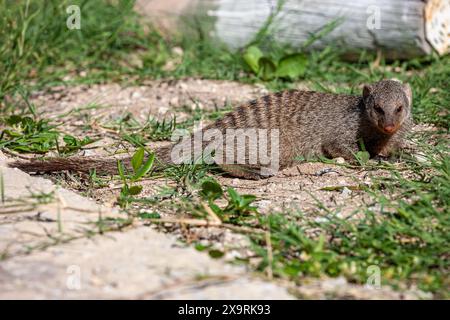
{"x": 308, "y": 124}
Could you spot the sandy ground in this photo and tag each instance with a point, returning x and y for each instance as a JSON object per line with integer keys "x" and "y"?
{"x": 31, "y": 237}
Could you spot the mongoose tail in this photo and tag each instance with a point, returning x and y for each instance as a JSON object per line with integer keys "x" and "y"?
{"x": 102, "y": 166}
{"x": 74, "y": 164}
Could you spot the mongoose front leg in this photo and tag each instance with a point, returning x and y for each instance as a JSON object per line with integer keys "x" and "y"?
{"x": 393, "y": 148}
{"x": 337, "y": 149}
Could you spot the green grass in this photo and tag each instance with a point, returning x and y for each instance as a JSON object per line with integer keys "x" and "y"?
{"x": 112, "y": 46}
{"x": 407, "y": 237}
{"x": 35, "y": 40}
{"x": 408, "y": 240}
{"x": 27, "y": 132}
{"x": 137, "y": 133}
{"x": 37, "y": 48}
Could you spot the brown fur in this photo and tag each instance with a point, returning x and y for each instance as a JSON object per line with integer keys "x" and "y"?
{"x": 309, "y": 123}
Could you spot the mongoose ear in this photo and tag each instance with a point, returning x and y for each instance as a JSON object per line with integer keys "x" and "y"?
{"x": 408, "y": 92}
{"x": 367, "y": 91}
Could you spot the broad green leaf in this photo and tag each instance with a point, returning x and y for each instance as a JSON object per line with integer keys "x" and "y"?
{"x": 246, "y": 199}
{"x": 70, "y": 140}
{"x": 201, "y": 247}
{"x": 267, "y": 69}
{"x": 137, "y": 159}
{"x": 216, "y": 209}
{"x": 134, "y": 190}
{"x": 252, "y": 56}
{"x": 144, "y": 169}
{"x": 292, "y": 66}
{"x": 211, "y": 190}
{"x": 216, "y": 254}
{"x": 362, "y": 157}
{"x": 13, "y": 120}
{"x": 233, "y": 195}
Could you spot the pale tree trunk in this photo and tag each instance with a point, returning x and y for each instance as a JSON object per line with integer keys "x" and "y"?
{"x": 399, "y": 28}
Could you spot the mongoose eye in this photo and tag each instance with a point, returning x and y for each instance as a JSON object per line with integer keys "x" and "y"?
{"x": 379, "y": 109}
{"x": 399, "y": 109}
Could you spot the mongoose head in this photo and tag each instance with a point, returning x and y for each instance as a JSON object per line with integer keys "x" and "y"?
{"x": 387, "y": 104}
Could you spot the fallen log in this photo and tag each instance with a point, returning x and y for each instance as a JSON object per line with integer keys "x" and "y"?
{"x": 399, "y": 28}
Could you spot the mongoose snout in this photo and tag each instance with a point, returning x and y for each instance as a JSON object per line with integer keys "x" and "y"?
{"x": 390, "y": 129}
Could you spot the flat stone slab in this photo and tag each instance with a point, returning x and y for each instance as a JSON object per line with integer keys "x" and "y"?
{"x": 53, "y": 250}
{"x": 137, "y": 264}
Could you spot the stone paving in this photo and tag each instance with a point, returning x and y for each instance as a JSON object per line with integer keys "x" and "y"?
{"x": 54, "y": 251}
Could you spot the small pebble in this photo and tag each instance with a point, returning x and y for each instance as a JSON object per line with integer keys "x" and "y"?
{"x": 174, "y": 101}
{"x": 177, "y": 51}
{"x": 135, "y": 95}
{"x": 346, "y": 192}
